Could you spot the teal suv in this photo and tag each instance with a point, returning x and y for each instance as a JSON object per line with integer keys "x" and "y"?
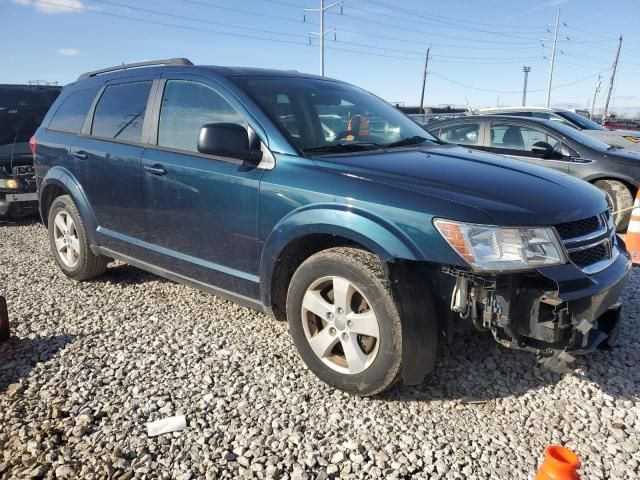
{"x": 316, "y": 202}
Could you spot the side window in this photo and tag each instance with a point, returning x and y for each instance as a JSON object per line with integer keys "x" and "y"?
{"x": 120, "y": 112}
{"x": 464, "y": 134}
{"x": 516, "y": 137}
{"x": 71, "y": 114}
{"x": 186, "y": 107}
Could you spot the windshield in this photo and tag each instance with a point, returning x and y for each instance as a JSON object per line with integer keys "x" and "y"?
{"x": 580, "y": 137}
{"x": 324, "y": 116}
{"x": 583, "y": 122}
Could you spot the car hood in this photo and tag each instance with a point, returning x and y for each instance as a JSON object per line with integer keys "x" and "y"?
{"x": 617, "y": 138}
{"x": 509, "y": 191}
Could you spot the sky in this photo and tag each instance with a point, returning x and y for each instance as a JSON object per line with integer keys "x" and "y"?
{"x": 477, "y": 47}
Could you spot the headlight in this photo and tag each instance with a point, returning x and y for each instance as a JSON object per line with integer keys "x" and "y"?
{"x": 8, "y": 183}
{"x": 487, "y": 247}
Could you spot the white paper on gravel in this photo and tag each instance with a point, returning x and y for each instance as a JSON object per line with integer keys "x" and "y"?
{"x": 166, "y": 425}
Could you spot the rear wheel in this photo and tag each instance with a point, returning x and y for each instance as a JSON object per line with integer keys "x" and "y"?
{"x": 69, "y": 243}
{"x": 620, "y": 200}
{"x": 345, "y": 322}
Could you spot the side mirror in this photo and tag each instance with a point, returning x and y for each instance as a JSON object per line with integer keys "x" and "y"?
{"x": 227, "y": 140}
{"x": 543, "y": 149}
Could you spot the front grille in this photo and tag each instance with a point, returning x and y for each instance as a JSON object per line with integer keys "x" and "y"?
{"x": 23, "y": 170}
{"x": 589, "y": 256}
{"x": 579, "y": 228}
{"x": 590, "y": 243}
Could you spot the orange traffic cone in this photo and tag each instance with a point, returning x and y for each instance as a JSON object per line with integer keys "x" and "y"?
{"x": 559, "y": 463}
{"x": 632, "y": 239}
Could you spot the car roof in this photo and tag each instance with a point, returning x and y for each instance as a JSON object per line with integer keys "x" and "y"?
{"x": 224, "y": 71}
{"x": 471, "y": 118}
{"x": 522, "y": 109}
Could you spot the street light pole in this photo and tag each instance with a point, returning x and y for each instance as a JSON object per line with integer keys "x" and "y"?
{"x": 613, "y": 76}
{"x": 424, "y": 83}
{"x": 526, "y": 71}
{"x": 595, "y": 94}
{"x": 553, "y": 59}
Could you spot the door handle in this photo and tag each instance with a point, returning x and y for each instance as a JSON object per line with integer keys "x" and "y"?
{"x": 80, "y": 155}
{"x": 155, "y": 169}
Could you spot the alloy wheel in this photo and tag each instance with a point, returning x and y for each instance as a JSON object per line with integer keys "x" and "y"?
{"x": 340, "y": 325}
{"x": 66, "y": 239}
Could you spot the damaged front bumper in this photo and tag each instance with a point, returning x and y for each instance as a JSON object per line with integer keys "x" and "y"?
{"x": 560, "y": 311}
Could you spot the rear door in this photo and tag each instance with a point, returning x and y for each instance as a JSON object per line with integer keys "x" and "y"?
{"x": 107, "y": 160}
{"x": 516, "y": 140}
{"x": 201, "y": 210}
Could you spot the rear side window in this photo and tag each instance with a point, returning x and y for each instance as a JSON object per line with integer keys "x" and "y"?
{"x": 120, "y": 112}
{"x": 465, "y": 134}
{"x": 186, "y": 107}
{"x": 71, "y": 114}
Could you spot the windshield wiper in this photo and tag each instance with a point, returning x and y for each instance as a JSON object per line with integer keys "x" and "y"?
{"x": 342, "y": 147}
{"x": 415, "y": 140}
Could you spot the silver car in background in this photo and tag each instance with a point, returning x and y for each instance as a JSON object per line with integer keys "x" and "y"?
{"x": 628, "y": 139}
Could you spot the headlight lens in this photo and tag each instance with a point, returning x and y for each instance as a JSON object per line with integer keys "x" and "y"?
{"x": 487, "y": 247}
{"x": 8, "y": 183}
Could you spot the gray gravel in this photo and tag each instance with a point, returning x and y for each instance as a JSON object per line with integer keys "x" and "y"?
{"x": 90, "y": 364}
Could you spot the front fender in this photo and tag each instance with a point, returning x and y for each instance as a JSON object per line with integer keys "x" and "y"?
{"x": 357, "y": 225}
{"x": 61, "y": 178}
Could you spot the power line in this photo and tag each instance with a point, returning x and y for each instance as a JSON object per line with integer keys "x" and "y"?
{"x": 512, "y": 91}
{"x": 450, "y": 20}
{"x": 244, "y": 12}
{"x": 421, "y": 32}
{"x": 200, "y": 20}
{"x": 442, "y": 25}
{"x": 165, "y": 24}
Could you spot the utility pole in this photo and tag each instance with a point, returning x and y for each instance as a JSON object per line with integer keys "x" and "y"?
{"x": 553, "y": 59}
{"x": 613, "y": 76}
{"x": 322, "y": 33}
{"x": 595, "y": 94}
{"x": 424, "y": 84}
{"x": 526, "y": 71}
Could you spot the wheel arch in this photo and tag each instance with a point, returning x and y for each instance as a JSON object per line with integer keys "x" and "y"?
{"x": 627, "y": 181}
{"x": 310, "y": 230}
{"x": 57, "y": 182}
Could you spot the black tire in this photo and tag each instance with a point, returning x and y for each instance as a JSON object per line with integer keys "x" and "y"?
{"x": 88, "y": 265}
{"x": 365, "y": 272}
{"x": 620, "y": 199}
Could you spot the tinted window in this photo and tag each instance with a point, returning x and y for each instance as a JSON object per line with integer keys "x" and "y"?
{"x": 516, "y": 137}
{"x": 465, "y": 134}
{"x": 71, "y": 114}
{"x": 186, "y": 107}
{"x": 120, "y": 112}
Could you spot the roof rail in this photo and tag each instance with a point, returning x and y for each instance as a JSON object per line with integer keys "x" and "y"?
{"x": 168, "y": 61}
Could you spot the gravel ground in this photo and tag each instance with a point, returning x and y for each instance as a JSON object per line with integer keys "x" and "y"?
{"x": 90, "y": 364}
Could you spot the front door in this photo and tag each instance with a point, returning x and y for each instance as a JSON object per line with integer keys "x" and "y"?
{"x": 516, "y": 141}
{"x": 201, "y": 211}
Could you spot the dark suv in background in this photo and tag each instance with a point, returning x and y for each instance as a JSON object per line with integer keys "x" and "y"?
{"x": 317, "y": 202}
{"x": 22, "y": 108}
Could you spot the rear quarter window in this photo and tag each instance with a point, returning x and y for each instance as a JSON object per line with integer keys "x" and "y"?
{"x": 72, "y": 112}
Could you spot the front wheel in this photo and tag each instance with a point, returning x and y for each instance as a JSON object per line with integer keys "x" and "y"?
{"x": 345, "y": 322}
{"x": 69, "y": 242}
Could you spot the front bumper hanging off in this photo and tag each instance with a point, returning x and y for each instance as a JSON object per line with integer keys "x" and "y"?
{"x": 559, "y": 311}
